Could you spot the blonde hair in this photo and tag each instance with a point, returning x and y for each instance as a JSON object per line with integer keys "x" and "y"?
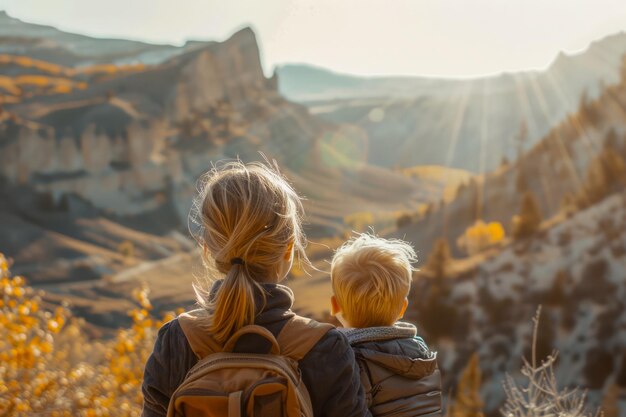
{"x": 371, "y": 277}
{"x": 246, "y": 217}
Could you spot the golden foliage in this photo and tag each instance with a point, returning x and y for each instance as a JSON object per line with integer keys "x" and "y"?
{"x": 110, "y": 69}
{"x": 27, "y": 62}
{"x": 49, "y": 78}
{"x": 480, "y": 236}
{"x": 54, "y": 69}
{"x": 467, "y": 401}
{"x": 49, "y": 366}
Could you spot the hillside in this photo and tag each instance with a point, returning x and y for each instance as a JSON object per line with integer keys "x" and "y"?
{"x": 574, "y": 268}
{"x": 574, "y": 164}
{"x": 470, "y": 124}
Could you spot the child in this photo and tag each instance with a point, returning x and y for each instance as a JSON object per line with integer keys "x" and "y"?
{"x": 371, "y": 278}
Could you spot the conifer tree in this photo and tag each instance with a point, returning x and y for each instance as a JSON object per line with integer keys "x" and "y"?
{"x": 520, "y": 138}
{"x": 467, "y": 401}
{"x": 439, "y": 258}
{"x": 528, "y": 220}
{"x": 605, "y": 172}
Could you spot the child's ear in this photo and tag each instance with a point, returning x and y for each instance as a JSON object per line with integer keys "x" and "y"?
{"x": 289, "y": 252}
{"x": 334, "y": 306}
{"x": 405, "y": 304}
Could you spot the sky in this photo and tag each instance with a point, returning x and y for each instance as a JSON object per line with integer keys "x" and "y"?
{"x": 446, "y": 38}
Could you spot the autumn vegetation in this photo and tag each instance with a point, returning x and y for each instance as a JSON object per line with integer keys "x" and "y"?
{"x": 37, "y": 77}
{"x": 51, "y": 367}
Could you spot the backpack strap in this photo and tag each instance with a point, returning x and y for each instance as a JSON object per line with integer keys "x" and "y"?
{"x": 195, "y": 326}
{"x": 296, "y": 339}
{"x": 300, "y": 335}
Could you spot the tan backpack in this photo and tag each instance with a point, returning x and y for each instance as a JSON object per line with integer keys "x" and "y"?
{"x": 224, "y": 383}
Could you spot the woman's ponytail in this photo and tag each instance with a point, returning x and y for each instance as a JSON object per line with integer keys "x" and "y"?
{"x": 234, "y": 304}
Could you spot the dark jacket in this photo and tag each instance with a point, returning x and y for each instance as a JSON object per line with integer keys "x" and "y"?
{"x": 329, "y": 370}
{"x": 398, "y": 372}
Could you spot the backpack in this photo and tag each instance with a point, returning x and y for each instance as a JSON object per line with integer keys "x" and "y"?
{"x": 224, "y": 383}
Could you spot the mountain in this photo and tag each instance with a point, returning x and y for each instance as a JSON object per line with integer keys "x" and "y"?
{"x": 471, "y": 124}
{"x": 89, "y": 154}
{"x": 310, "y": 84}
{"x": 58, "y": 47}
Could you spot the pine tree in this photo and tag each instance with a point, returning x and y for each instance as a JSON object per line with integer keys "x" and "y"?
{"x": 614, "y": 166}
{"x": 610, "y": 407}
{"x": 528, "y": 220}
{"x": 556, "y": 294}
{"x": 521, "y": 183}
{"x": 611, "y": 139}
{"x": 467, "y": 401}
{"x": 605, "y": 172}
{"x": 520, "y": 138}
{"x": 439, "y": 258}
{"x": 568, "y": 204}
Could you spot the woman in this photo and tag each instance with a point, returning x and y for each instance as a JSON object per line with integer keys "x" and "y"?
{"x": 250, "y": 228}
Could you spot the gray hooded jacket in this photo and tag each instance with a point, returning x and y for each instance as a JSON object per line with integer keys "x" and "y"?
{"x": 399, "y": 373}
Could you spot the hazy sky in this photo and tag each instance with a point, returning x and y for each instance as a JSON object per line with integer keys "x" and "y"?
{"x": 371, "y": 37}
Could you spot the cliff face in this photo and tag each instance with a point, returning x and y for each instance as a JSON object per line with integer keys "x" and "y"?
{"x": 111, "y": 144}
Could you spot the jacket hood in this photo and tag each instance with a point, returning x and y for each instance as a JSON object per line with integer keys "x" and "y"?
{"x": 399, "y": 363}
{"x": 396, "y": 348}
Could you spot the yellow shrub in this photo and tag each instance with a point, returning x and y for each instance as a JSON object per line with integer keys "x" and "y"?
{"x": 50, "y": 366}
{"x": 480, "y": 235}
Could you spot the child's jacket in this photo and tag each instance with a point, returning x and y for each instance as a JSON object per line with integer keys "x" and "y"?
{"x": 398, "y": 372}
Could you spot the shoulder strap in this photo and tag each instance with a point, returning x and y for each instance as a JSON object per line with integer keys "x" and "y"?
{"x": 195, "y": 326}
{"x": 296, "y": 339}
{"x": 300, "y": 335}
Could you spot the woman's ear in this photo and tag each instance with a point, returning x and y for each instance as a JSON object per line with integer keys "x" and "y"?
{"x": 289, "y": 252}
{"x": 405, "y": 304}
{"x": 334, "y": 306}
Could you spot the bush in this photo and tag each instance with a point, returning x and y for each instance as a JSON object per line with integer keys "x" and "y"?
{"x": 541, "y": 396}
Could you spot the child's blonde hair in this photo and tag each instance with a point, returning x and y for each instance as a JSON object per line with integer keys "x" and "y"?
{"x": 246, "y": 216}
{"x": 371, "y": 277}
